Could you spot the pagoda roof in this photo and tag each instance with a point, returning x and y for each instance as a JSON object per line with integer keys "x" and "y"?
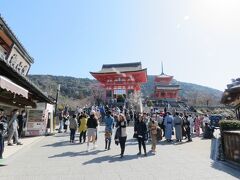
{"x": 164, "y": 76}
{"x": 120, "y": 68}
{"x": 168, "y": 87}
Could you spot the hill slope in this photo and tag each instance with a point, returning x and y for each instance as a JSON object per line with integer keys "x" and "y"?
{"x": 195, "y": 94}
{"x": 73, "y": 89}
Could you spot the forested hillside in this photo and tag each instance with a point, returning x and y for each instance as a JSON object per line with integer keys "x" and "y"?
{"x": 73, "y": 89}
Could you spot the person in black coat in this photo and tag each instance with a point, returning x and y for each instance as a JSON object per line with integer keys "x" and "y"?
{"x": 187, "y": 128}
{"x": 121, "y": 133}
{"x": 3, "y": 131}
{"x": 141, "y": 131}
{"x": 21, "y": 122}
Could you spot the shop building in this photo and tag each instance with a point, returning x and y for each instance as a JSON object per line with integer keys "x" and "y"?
{"x": 16, "y": 90}
{"x": 231, "y": 96}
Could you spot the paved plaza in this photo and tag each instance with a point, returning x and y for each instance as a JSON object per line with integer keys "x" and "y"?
{"x": 54, "y": 158}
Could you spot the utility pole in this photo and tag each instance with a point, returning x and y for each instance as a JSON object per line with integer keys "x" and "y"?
{"x": 56, "y": 105}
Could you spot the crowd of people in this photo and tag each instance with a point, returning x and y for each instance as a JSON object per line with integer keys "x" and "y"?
{"x": 11, "y": 127}
{"x": 148, "y": 127}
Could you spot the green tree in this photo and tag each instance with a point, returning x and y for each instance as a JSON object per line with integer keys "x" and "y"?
{"x": 149, "y": 103}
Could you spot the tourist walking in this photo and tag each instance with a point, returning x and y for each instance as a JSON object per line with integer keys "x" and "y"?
{"x": 159, "y": 119}
{"x": 178, "y": 122}
{"x": 197, "y": 125}
{"x": 103, "y": 113}
{"x": 184, "y": 133}
{"x": 205, "y": 122}
{"x": 127, "y": 115}
{"x": 21, "y": 122}
{"x": 168, "y": 123}
{"x": 153, "y": 126}
{"x": 131, "y": 114}
{"x": 92, "y": 125}
{"x": 187, "y": 128}
{"x": 109, "y": 124}
{"x": 141, "y": 130}
{"x": 3, "y": 131}
{"x": 191, "y": 121}
{"x": 163, "y": 123}
{"x": 65, "y": 119}
{"x": 122, "y": 128}
{"x": 13, "y": 128}
{"x": 60, "y": 117}
{"x": 73, "y": 125}
{"x": 82, "y": 127}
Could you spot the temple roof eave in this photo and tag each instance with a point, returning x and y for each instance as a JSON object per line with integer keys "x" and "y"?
{"x": 120, "y": 72}
{"x": 231, "y": 95}
{"x": 173, "y": 89}
{"x": 168, "y": 85}
{"x": 139, "y": 78}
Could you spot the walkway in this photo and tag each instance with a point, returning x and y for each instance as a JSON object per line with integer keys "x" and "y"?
{"x": 54, "y": 158}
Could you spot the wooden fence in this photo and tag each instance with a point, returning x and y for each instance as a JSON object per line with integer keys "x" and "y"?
{"x": 231, "y": 146}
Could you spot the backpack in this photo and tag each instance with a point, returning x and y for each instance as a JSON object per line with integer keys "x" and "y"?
{"x": 3, "y": 127}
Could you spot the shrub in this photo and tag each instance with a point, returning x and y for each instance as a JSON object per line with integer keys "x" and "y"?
{"x": 229, "y": 125}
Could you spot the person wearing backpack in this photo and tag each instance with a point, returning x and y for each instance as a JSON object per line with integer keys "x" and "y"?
{"x": 73, "y": 125}
{"x": 109, "y": 124}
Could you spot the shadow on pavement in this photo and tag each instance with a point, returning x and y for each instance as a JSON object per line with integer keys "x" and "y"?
{"x": 111, "y": 159}
{"x": 116, "y": 158}
{"x": 131, "y": 140}
{"x": 74, "y": 154}
{"x": 134, "y": 142}
{"x": 61, "y": 135}
{"x": 233, "y": 171}
{"x": 60, "y": 144}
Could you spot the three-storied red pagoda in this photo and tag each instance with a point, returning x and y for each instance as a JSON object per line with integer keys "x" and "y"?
{"x": 164, "y": 90}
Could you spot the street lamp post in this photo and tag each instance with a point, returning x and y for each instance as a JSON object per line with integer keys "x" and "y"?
{"x": 56, "y": 104}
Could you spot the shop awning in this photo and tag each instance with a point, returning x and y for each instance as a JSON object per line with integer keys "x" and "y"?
{"x": 11, "y": 86}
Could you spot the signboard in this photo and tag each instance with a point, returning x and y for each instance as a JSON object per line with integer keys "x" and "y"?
{"x": 36, "y": 122}
{"x": 119, "y": 91}
{"x": 18, "y": 62}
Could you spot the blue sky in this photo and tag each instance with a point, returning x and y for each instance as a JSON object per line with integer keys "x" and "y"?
{"x": 198, "y": 41}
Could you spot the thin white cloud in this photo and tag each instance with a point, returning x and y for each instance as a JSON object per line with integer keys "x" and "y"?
{"x": 178, "y": 26}
{"x": 186, "y": 18}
